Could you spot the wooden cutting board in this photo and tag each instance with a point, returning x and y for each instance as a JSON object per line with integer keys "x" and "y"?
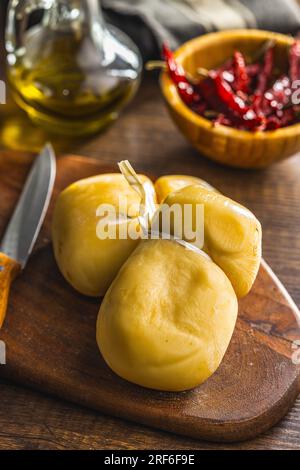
{"x": 50, "y": 339}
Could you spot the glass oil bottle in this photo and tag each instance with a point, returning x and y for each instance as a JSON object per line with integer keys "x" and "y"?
{"x": 70, "y": 71}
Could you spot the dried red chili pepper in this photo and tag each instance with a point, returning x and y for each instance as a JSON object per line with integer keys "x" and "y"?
{"x": 282, "y": 118}
{"x": 264, "y": 78}
{"x": 237, "y": 95}
{"x": 227, "y": 95}
{"x": 207, "y": 90}
{"x": 295, "y": 61}
{"x": 278, "y": 96}
{"x": 241, "y": 78}
{"x": 222, "y": 98}
{"x": 250, "y": 119}
{"x": 177, "y": 74}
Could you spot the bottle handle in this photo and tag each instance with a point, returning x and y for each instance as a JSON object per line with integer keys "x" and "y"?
{"x": 19, "y": 12}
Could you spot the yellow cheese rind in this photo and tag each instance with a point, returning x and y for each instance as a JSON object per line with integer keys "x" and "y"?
{"x": 167, "y": 319}
{"x": 169, "y": 183}
{"x": 232, "y": 234}
{"x": 88, "y": 263}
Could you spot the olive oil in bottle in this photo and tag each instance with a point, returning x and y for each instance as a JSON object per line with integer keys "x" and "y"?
{"x": 71, "y": 73}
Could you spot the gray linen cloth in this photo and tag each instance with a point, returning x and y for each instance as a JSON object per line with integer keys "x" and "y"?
{"x": 149, "y": 22}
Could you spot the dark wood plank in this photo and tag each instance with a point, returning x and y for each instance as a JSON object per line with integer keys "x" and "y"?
{"x": 153, "y": 145}
{"x": 50, "y": 338}
{"x": 30, "y": 420}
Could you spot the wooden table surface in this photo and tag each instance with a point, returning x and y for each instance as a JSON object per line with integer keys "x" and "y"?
{"x": 146, "y": 136}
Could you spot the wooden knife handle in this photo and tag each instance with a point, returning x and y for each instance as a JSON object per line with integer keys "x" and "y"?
{"x": 8, "y": 271}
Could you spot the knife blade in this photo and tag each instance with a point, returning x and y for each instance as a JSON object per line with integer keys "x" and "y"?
{"x": 26, "y": 222}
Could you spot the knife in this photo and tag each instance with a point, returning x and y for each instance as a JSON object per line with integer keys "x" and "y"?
{"x": 26, "y": 222}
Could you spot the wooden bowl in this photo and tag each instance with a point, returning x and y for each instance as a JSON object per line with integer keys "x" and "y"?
{"x": 226, "y": 145}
